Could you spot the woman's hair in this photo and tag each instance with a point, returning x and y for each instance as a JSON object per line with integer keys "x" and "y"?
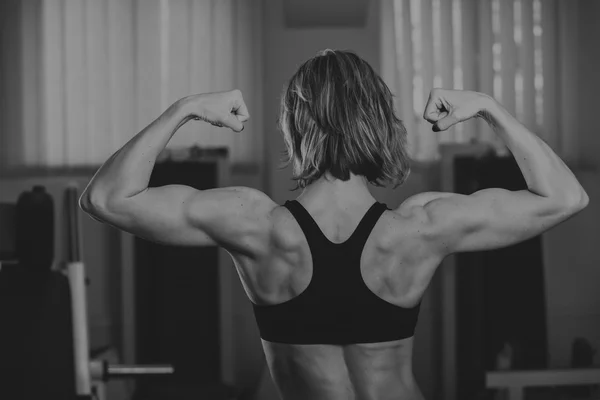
{"x": 337, "y": 116}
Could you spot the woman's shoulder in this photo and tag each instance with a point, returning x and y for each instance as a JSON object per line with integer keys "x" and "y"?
{"x": 285, "y": 233}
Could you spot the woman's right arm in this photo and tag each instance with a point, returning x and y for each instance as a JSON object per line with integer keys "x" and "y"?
{"x": 495, "y": 218}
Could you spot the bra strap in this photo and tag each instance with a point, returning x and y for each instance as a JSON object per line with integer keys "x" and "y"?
{"x": 311, "y": 230}
{"x": 315, "y": 235}
{"x": 366, "y": 225}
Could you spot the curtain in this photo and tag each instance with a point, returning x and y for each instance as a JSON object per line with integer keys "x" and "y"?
{"x": 81, "y": 77}
{"x": 519, "y": 51}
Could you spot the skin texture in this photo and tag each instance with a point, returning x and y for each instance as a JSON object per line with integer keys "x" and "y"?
{"x": 394, "y": 266}
{"x": 271, "y": 254}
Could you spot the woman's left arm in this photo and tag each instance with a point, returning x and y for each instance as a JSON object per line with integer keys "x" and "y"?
{"x": 119, "y": 195}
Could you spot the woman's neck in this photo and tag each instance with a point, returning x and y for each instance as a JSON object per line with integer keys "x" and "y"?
{"x": 328, "y": 189}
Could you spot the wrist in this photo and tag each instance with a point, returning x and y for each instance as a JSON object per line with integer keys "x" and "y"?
{"x": 488, "y": 108}
{"x": 487, "y": 103}
{"x": 185, "y": 108}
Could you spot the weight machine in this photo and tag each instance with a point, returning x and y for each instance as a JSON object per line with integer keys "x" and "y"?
{"x": 40, "y": 355}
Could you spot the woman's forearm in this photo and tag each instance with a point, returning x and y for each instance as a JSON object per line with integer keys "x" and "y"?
{"x": 545, "y": 173}
{"x": 127, "y": 172}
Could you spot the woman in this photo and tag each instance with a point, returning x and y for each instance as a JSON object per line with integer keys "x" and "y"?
{"x": 335, "y": 277}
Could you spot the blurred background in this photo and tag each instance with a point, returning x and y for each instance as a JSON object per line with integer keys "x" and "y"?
{"x": 79, "y": 78}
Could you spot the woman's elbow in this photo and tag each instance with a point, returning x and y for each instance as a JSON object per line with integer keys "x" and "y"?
{"x": 93, "y": 204}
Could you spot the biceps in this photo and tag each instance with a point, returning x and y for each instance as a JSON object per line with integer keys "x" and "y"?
{"x": 492, "y": 219}
{"x": 161, "y": 214}
{"x": 231, "y": 217}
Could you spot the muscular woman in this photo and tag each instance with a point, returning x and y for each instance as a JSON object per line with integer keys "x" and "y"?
{"x": 335, "y": 277}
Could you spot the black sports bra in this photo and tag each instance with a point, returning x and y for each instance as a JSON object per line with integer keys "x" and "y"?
{"x": 337, "y": 307}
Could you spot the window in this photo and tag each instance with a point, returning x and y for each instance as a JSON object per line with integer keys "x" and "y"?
{"x": 491, "y": 46}
{"x": 97, "y": 72}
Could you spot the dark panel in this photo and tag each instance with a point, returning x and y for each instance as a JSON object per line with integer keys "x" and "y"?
{"x": 500, "y": 293}
{"x": 36, "y": 335}
{"x": 178, "y": 295}
{"x": 8, "y": 214}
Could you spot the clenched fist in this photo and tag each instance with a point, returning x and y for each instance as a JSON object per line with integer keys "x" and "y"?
{"x": 219, "y": 109}
{"x": 448, "y": 107}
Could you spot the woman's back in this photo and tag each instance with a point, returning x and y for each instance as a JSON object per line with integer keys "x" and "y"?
{"x": 315, "y": 352}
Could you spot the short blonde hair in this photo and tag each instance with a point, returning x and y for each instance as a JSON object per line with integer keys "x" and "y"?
{"x": 337, "y": 116}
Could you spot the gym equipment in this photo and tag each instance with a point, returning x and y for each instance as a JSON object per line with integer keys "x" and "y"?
{"x": 76, "y": 274}
{"x": 89, "y": 374}
{"x": 35, "y": 229}
{"x": 44, "y": 346}
{"x": 36, "y": 346}
{"x": 36, "y": 339}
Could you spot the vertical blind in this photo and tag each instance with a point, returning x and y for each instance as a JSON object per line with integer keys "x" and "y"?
{"x": 506, "y": 48}
{"x": 82, "y": 77}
